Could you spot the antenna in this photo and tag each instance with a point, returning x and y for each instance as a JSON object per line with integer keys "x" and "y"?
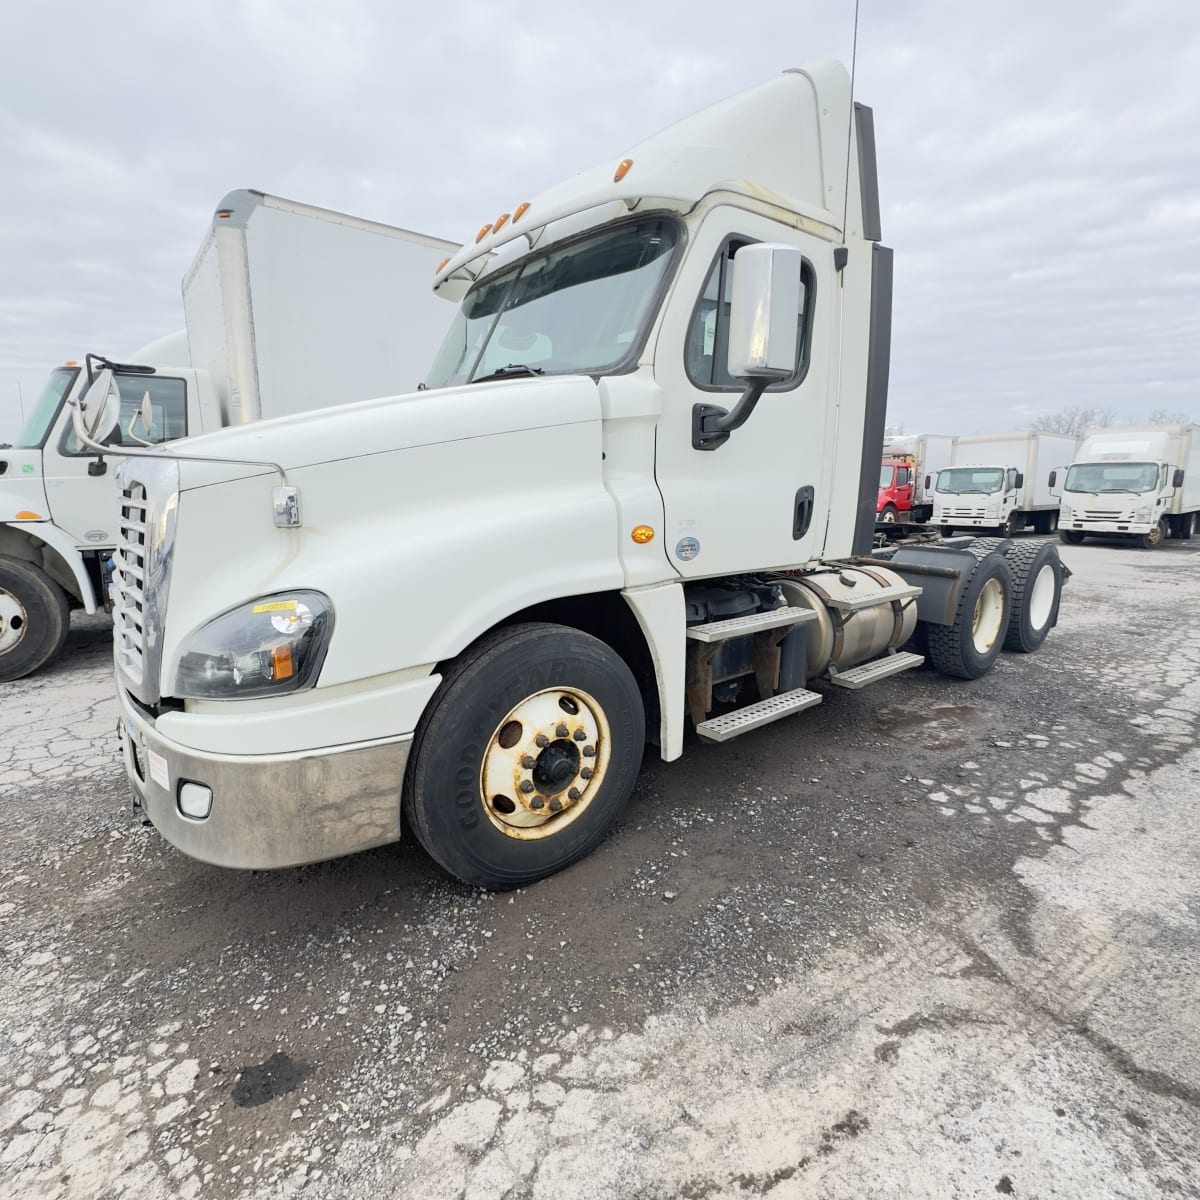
{"x": 850, "y": 123}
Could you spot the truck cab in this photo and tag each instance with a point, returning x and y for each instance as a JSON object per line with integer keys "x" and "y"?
{"x": 976, "y": 497}
{"x": 896, "y": 486}
{"x": 59, "y": 499}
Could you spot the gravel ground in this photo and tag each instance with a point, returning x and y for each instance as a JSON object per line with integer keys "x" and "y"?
{"x": 932, "y": 939}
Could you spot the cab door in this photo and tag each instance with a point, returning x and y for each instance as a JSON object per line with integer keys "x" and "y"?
{"x": 904, "y": 489}
{"x": 760, "y": 499}
{"x": 80, "y": 485}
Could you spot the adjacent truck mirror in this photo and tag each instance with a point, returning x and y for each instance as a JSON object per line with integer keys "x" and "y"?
{"x": 928, "y": 482}
{"x": 763, "y": 333}
{"x": 1177, "y": 479}
{"x": 1053, "y": 479}
{"x": 97, "y": 411}
{"x": 1019, "y": 480}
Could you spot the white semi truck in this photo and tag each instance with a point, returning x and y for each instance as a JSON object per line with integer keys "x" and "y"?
{"x": 634, "y": 500}
{"x": 1002, "y": 481}
{"x": 288, "y": 308}
{"x": 1140, "y": 484}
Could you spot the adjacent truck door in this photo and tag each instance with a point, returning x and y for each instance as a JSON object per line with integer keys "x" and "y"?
{"x": 85, "y": 505}
{"x": 757, "y": 500}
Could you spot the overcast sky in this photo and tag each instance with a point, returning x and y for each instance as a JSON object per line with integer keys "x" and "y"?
{"x": 1039, "y": 161}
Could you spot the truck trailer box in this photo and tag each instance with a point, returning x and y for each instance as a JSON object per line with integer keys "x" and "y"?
{"x": 1034, "y": 455}
{"x": 275, "y": 281}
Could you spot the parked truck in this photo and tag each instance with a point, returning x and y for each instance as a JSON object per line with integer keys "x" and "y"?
{"x": 910, "y": 466}
{"x": 633, "y": 500}
{"x": 288, "y": 308}
{"x": 1002, "y": 481}
{"x": 1140, "y": 484}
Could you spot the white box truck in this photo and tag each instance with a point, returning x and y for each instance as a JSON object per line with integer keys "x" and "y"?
{"x": 635, "y": 499}
{"x": 1002, "y": 481}
{"x": 1140, "y": 484}
{"x": 906, "y": 476}
{"x": 288, "y": 308}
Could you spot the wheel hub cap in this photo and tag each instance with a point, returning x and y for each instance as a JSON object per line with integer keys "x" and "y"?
{"x": 13, "y": 621}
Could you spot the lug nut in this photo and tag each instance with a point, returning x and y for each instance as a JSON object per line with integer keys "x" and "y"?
{"x": 542, "y": 741}
{"x": 562, "y": 731}
{"x": 556, "y": 805}
{"x": 527, "y": 786}
{"x": 580, "y": 736}
{"x": 537, "y": 802}
{"x": 574, "y": 794}
{"x": 528, "y": 762}
{"x": 586, "y": 773}
{"x": 589, "y": 752}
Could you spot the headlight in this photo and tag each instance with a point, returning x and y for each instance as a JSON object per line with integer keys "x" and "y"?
{"x": 1065, "y": 512}
{"x": 1144, "y": 513}
{"x": 268, "y": 647}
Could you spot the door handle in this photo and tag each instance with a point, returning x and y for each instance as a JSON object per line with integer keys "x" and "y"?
{"x": 803, "y": 514}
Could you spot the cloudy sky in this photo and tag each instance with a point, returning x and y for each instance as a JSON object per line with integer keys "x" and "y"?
{"x": 1039, "y": 159}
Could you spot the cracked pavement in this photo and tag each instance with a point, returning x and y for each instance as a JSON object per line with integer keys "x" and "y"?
{"x": 932, "y": 939}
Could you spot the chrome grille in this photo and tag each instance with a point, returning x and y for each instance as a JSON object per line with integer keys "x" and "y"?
{"x": 142, "y": 570}
{"x": 965, "y": 511}
{"x": 129, "y": 581}
{"x": 1101, "y": 514}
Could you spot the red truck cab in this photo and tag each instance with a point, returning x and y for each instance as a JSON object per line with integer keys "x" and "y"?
{"x": 895, "y": 489}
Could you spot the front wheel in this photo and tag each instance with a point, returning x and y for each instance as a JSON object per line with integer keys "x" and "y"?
{"x": 967, "y": 648}
{"x": 34, "y": 619}
{"x": 887, "y": 514}
{"x": 947, "y": 531}
{"x": 1072, "y": 537}
{"x": 1010, "y": 526}
{"x": 526, "y": 756}
{"x": 1156, "y": 536}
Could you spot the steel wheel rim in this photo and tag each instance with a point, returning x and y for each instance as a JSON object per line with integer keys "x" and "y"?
{"x": 988, "y": 616}
{"x": 544, "y": 763}
{"x": 14, "y": 621}
{"x": 1155, "y": 535}
{"x": 889, "y": 517}
{"x": 1041, "y": 598}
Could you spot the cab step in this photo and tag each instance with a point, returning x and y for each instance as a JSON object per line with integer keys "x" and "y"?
{"x": 850, "y": 604}
{"x": 720, "y": 631}
{"x": 877, "y": 669}
{"x": 742, "y": 720}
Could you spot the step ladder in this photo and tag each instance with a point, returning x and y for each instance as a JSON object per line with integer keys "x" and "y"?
{"x": 768, "y": 630}
{"x": 872, "y": 672}
{"x": 852, "y": 604}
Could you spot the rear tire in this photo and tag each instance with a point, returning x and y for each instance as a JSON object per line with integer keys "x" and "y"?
{"x": 34, "y": 619}
{"x": 1036, "y": 592}
{"x": 495, "y": 792}
{"x": 968, "y": 648}
{"x": 1072, "y": 537}
{"x": 1187, "y": 526}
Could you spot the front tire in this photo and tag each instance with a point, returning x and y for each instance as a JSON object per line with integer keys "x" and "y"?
{"x": 1153, "y": 539}
{"x": 1036, "y": 593}
{"x": 34, "y": 619}
{"x": 496, "y": 792}
{"x": 1072, "y": 537}
{"x": 967, "y": 648}
{"x": 887, "y": 515}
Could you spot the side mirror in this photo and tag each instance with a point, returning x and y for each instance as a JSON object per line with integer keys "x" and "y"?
{"x": 928, "y": 482}
{"x": 763, "y": 325}
{"x": 97, "y": 411}
{"x": 764, "y": 331}
{"x": 144, "y": 414}
{"x": 1018, "y": 480}
{"x": 1053, "y": 479}
{"x": 1178, "y": 478}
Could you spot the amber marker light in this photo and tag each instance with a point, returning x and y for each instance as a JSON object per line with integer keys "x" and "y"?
{"x": 520, "y": 211}
{"x": 281, "y": 661}
{"x": 501, "y": 221}
{"x": 440, "y": 265}
{"x": 70, "y": 363}
{"x": 642, "y": 534}
{"x": 225, "y": 213}
{"x": 483, "y": 232}
{"x": 622, "y": 169}
{"x": 26, "y": 515}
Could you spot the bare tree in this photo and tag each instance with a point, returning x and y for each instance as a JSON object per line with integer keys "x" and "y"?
{"x": 1075, "y": 420}
{"x": 1165, "y": 416}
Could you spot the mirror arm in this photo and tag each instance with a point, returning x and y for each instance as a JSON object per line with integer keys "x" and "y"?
{"x": 712, "y": 424}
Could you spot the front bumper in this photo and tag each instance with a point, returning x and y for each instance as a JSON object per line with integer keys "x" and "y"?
{"x": 1113, "y": 527}
{"x": 270, "y": 810}
{"x": 970, "y": 522}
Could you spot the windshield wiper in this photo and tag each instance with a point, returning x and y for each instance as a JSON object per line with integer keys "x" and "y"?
{"x": 512, "y": 371}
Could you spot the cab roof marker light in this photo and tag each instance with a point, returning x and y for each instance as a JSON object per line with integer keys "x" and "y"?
{"x": 483, "y": 233}
{"x": 520, "y": 211}
{"x": 441, "y": 266}
{"x": 622, "y": 169}
{"x": 501, "y": 221}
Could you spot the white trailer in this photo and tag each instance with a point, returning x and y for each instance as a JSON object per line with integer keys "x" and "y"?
{"x": 342, "y": 310}
{"x": 1002, "y": 481}
{"x": 1140, "y": 484}
{"x": 637, "y": 498}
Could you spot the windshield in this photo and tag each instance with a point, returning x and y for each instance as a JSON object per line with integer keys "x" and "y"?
{"x": 578, "y": 309}
{"x": 971, "y": 479}
{"x": 1113, "y": 477}
{"x": 885, "y": 475}
{"x": 33, "y": 435}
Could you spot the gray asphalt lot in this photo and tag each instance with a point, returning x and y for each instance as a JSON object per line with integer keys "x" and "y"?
{"x": 933, "y": 938}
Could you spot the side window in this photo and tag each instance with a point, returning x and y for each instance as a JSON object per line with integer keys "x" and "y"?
{"x": 706, "y": 356}
{"x": 168, "y": 412}
{"x": 903, "y": 477}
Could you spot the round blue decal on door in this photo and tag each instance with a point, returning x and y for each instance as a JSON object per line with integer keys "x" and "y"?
{"x": 686, "y": 549}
